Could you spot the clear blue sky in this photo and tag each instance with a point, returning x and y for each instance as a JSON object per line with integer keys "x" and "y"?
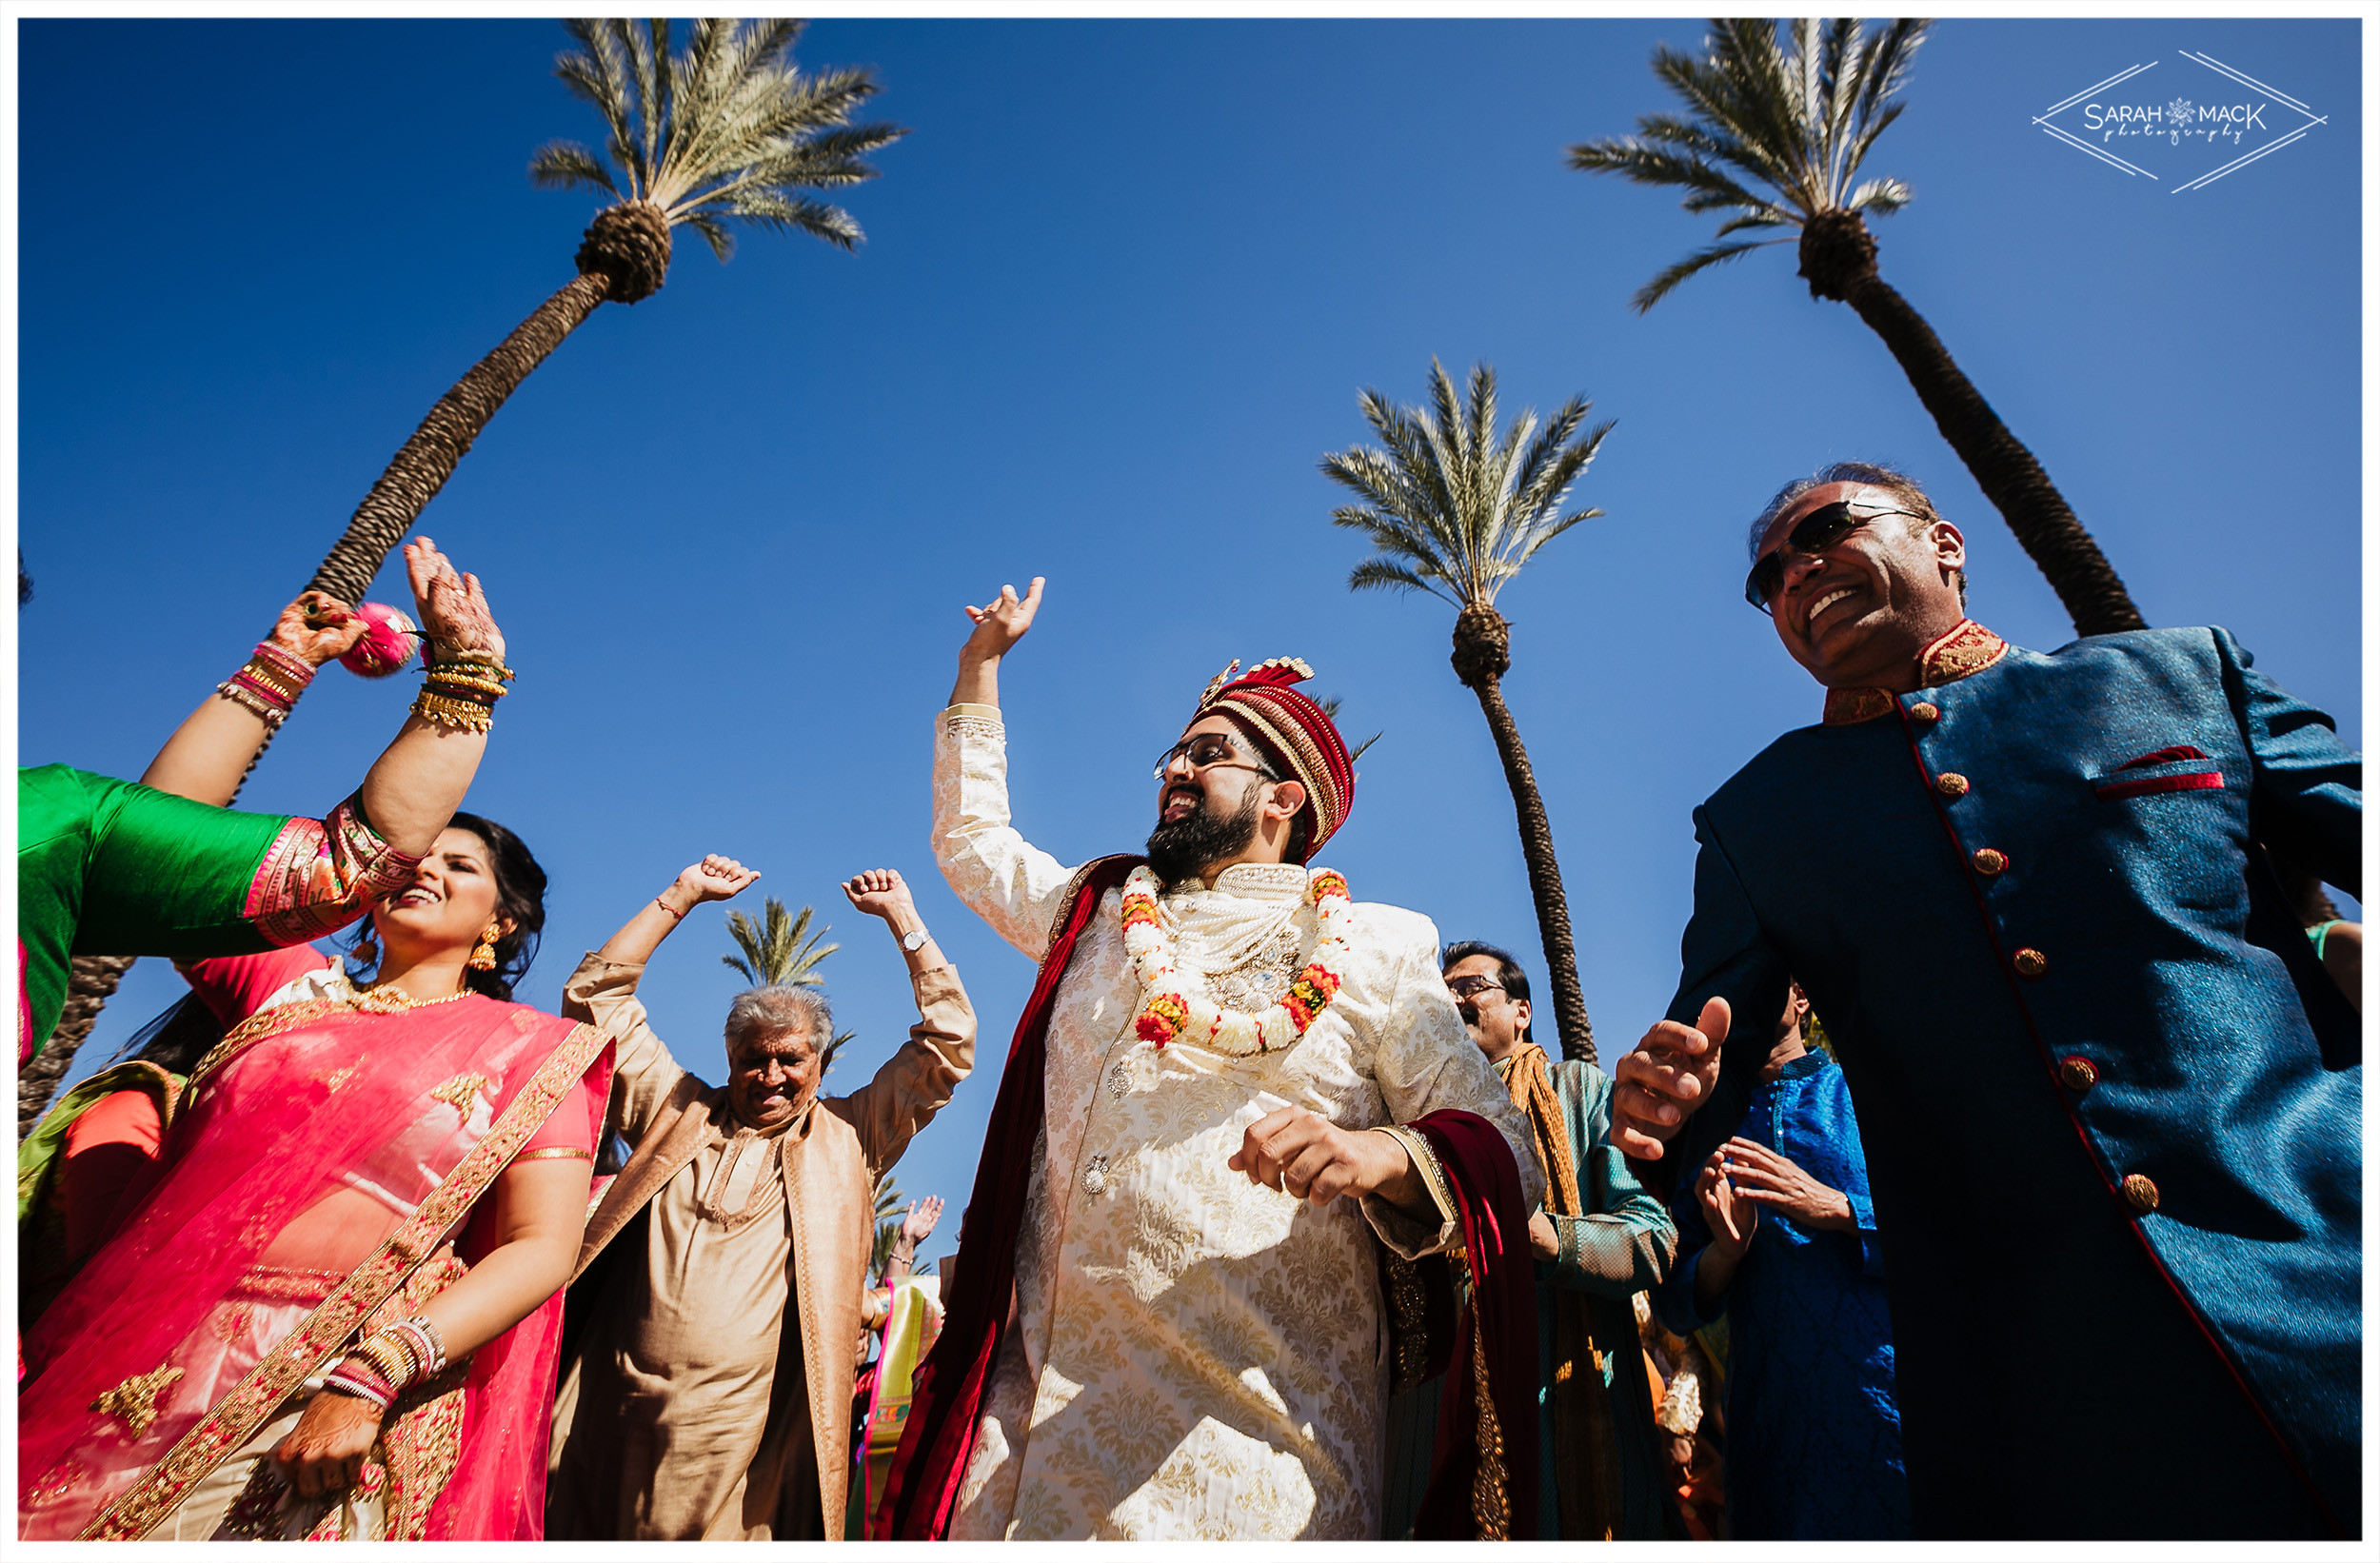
{"x": 1121, "y": 288}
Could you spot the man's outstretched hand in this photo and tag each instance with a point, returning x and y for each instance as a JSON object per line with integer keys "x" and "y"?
{"x": 999, "y": 624}
{"x": 1668, "y": 1077}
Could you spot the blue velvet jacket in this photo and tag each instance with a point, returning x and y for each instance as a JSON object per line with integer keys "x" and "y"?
{"x": 2111, "y": 1104}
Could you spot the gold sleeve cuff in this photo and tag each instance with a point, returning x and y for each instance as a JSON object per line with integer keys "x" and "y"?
{"x": 969, "y": 709}
{"x": 1423, "y": 1158}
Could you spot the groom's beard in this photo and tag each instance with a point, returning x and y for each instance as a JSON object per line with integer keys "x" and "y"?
{"x": 1179, "y": 850}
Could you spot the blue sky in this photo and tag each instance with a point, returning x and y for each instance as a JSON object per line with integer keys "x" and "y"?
{"x": 1121, "y": 288}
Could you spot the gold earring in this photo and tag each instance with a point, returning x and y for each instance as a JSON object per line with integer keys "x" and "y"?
{"x": 484, "y": 959}
{"x": 366, "y": 951}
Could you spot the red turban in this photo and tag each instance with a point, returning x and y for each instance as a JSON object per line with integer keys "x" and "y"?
{"x": 1296, "y": 734}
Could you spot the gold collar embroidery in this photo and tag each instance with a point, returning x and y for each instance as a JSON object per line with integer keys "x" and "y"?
{"x": 1968, "y": 649}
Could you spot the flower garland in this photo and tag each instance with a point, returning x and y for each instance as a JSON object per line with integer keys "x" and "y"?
{"x": 1168, "y": 1014}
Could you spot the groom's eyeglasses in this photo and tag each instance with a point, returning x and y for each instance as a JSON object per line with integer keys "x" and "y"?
{"x": 1470, "y": 987}
{"x": 1813, "y": 534}
{"x": 1207, "y": 750}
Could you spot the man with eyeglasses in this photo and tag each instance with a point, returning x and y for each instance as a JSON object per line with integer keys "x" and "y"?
{"x": 1600, "y": 1238}
{"x": 1231, "y": 1086}
{"x": 2110, "y": 1103}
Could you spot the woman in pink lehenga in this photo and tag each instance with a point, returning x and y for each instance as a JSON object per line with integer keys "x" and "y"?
{"x": 373, "y": 1193}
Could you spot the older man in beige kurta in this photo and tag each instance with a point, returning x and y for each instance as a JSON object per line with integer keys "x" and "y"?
{"x": 697, "y": 1409}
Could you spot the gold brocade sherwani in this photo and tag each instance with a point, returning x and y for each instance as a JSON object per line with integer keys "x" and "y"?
{"x": 694, "y": 1411}
{"x": 1194, "y": 1355}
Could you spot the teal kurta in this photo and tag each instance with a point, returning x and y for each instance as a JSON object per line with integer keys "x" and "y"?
{"x": 1622, "y": 1245}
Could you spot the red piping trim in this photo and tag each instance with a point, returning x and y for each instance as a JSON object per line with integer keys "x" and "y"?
{"x": 2131, "y": 1218}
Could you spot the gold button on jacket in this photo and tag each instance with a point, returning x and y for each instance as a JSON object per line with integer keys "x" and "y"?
{"x": 1990, "y": 860}
{"x": 2077, "y": 1074}
{"x": 2031, "y": 962}
{"x": 2140, "y": 1193}
{"x": 1951, "y": 784}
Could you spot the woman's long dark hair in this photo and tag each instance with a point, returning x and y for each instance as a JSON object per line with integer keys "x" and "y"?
{"x": 187, "y": 1031}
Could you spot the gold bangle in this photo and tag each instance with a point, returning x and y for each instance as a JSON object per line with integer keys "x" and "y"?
{"x": 467, "y": 716}
{"x": 390, "y": 1357}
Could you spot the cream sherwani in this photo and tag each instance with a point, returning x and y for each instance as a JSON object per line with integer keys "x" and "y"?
{"x": 1196, "y": 1356}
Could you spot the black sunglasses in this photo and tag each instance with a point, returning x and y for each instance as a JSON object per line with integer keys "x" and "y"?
{"x": 1813, "y": 534}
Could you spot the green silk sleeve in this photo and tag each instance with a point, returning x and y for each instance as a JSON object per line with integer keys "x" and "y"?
{"x": 170, "y": 877}
{"x": 111, "y": 867}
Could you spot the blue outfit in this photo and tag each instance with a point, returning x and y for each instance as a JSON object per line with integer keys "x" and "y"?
{"x": 2112, "y": 1102}
{"x": 1814, "y": 1439}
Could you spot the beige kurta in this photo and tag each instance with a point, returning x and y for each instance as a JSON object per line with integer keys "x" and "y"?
{"x": 691, "y": 1410}
{"x": 1196, "y": 1356}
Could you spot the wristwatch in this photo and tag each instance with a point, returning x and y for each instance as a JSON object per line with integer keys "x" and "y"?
{"x": 914, "y": 941}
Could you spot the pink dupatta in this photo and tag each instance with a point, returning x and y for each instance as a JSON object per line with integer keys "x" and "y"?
{"x": 137, "y": 1389}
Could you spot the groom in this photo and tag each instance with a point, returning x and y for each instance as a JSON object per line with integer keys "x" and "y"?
{"x": 1230, "y": 1083}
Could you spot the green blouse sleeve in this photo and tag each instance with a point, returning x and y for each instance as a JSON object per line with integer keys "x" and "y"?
{"x": 167, "y": 876}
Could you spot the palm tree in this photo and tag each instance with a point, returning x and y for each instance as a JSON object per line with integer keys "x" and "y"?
{"x": 1456, "y": 510}
{"x": 1775, "y": 136}
{"x": 781, "y": 952}
{"x": 727, "y": 131}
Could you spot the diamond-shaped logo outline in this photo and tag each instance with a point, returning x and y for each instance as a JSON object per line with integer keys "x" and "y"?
{"x": 2209, "y": 61}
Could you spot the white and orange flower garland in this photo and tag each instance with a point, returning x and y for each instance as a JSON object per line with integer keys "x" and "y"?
{"x": 1166, "y": 1013}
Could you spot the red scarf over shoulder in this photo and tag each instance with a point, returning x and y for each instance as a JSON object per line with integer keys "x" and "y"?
{"x": 1486, "y": 1465}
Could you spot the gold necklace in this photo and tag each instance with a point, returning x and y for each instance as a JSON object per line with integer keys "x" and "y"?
{"x": 392, "y": 999}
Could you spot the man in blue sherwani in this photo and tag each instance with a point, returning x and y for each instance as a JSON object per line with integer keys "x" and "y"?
{"x": 2111, "y": 1105}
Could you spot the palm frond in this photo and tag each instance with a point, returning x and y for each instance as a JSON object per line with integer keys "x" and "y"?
{"x": 1655, "y": 291}
{"x": 1460, "y": 501}
{"x": 565, "y": 165}
{"x": 779, "y": 950}
{"x": 1779, "y": 119}
{"x": 728, "y": 130}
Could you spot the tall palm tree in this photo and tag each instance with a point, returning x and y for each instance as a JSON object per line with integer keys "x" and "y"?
{"x": 1456, "y": 510}
{"x": 781, "y": 952}
{"x": 1775, "y": 135}
{"x": 726, "y": 130}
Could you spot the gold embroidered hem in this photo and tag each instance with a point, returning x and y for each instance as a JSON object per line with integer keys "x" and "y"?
{"x": 1967, "y": 647}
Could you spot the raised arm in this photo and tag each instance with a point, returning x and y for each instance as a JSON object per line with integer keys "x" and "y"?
{"x": 920, "y": 1078}
{"x": 1006, "y": 881}
{"x": 645, "y": 1076}
{"x": 714, "y": 878}
{"x": 213, "y": 749}
{"x": 999, "y": 625}
{"x": 419, "y": 780}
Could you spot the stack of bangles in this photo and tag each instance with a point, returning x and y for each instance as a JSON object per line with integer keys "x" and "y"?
{"x": 379, "y": 1370}
{"x": 461, "y": 692}
{"x": 269, "y": 684}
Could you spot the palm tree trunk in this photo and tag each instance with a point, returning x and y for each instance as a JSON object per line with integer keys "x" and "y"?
{"x": 89, "y": 981}
{"x": 1545, "y": 878}
{"x": 1838, "y": 258}
{"x": 1483, "y": 653}
{"x": 427, "y": 460}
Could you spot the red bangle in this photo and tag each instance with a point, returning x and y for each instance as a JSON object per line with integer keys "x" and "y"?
{"x": 671, "y": 910}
